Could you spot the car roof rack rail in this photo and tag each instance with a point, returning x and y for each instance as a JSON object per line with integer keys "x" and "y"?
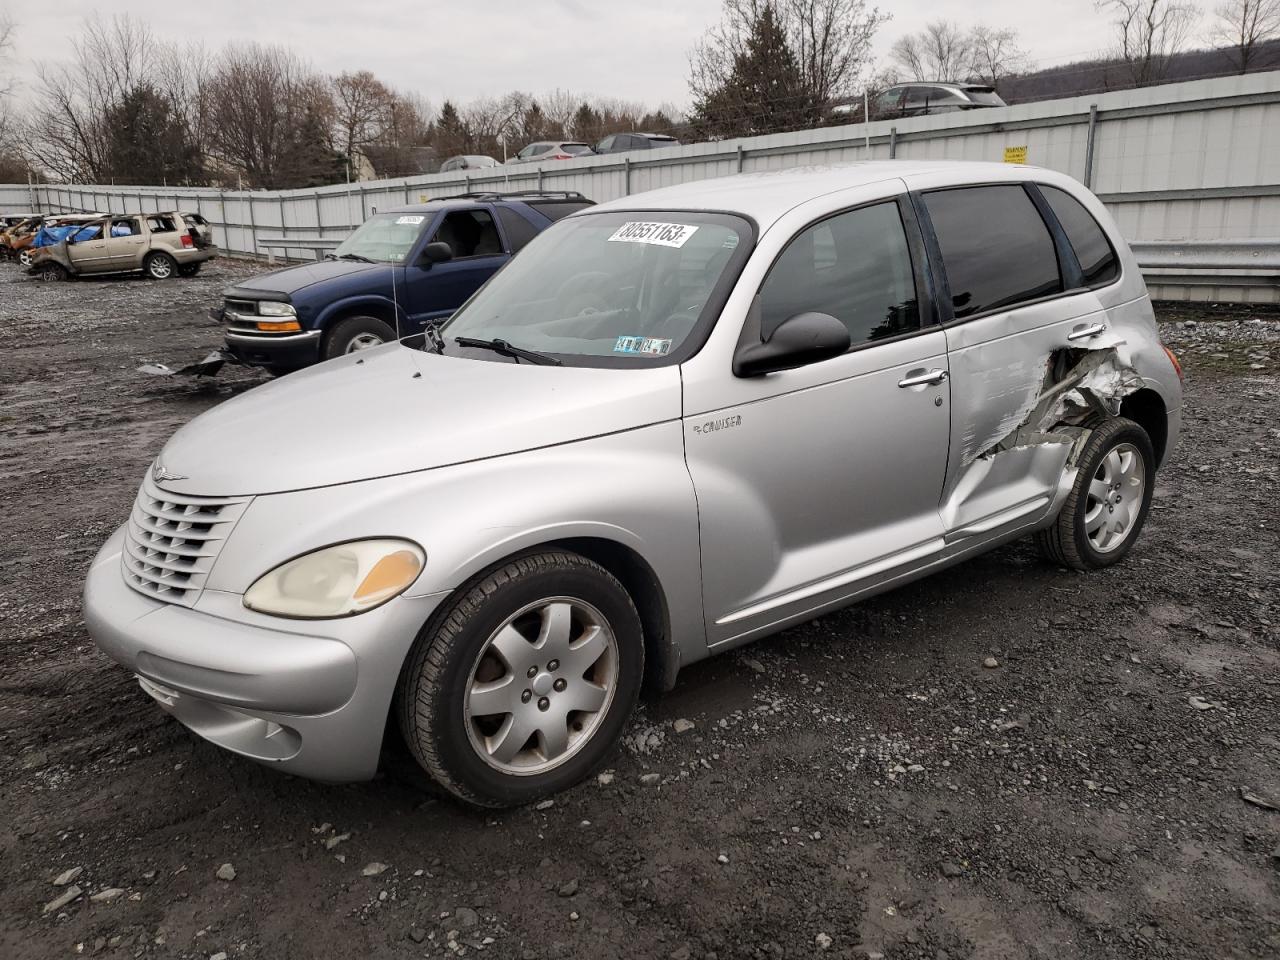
{"x": 516, "y": 195}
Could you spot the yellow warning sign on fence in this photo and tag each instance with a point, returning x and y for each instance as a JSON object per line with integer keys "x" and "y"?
{"x": 1015, "y": 154}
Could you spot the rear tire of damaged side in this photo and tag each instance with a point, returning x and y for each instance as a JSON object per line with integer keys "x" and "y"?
{"x": 1104, "y": 513}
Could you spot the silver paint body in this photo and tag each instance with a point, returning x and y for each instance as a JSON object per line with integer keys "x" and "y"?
{"x": 755, "y": 502}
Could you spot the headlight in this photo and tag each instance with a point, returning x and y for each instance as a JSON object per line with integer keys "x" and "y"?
{"x": 338, "y": 581}
{"x": 274, "y": 308}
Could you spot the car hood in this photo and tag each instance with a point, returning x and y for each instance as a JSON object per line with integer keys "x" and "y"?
{"x": 292, "y": 279}
{"x": 396, "y": 409}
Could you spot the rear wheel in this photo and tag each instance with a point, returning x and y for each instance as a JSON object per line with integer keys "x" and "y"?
{"x": 159, "y": 266}
{"x": 24, "y": 258}
{"x": 355, "y": 334}
{"x": 1108, "y": 504}
{"x": 524, "y": 683}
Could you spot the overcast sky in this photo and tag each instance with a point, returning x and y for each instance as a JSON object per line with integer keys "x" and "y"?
{"x": 632, "y": 49}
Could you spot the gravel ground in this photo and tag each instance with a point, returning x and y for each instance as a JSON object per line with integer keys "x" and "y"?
{"x": 1005, "y": 760}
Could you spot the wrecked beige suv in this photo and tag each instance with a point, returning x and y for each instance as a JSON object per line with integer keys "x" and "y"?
{"x": 161, "y": 245}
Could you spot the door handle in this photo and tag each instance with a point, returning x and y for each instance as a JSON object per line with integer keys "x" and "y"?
{"x": 923, "y": 377}
{"x": 1083, "y": 333}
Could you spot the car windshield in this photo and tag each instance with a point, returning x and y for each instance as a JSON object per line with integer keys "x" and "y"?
{"x": 612, "y": 289}
{"x": 387, "y": 237}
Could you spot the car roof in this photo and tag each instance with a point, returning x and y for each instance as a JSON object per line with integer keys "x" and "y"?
{"x": 949, "y": 84}
{"x": 766, "y": 196}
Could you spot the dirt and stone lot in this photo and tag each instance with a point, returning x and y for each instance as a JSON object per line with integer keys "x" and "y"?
{"x": 1006, "y": 760}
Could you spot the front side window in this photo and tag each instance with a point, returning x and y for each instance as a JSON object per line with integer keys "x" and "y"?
{"x": 385, "y": 237}
{"x": 470, "y": 233}
{"x": 855, "y": 266}
{"x": 1097, "y": 259}
{"x": 996, "y": 249}
{"x": 617, "y": 289}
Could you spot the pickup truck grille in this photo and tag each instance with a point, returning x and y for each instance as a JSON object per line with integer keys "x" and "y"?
{"x": 173, "y": 540}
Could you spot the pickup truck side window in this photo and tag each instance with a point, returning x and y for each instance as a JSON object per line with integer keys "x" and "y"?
{"x": 996, "y": 249}
{"x": 471, "y": 233}
{"x": 855, "y": 266}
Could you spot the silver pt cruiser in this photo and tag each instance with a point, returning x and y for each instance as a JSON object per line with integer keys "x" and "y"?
{"x": 675, "y": 423}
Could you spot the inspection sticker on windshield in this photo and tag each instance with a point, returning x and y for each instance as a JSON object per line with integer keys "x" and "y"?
{"x": 662, "y": 234}
{"x": 411, "y": 219}
{"x": 652, "y": 346}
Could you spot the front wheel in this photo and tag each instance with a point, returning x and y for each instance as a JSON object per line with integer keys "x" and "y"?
{"x": 52, "y": 272}
{"x": 524, "y": 683}
{"x": 159, "y": 266}
{"x": 355, "y": 334}
{"x": 1108, "y": 504}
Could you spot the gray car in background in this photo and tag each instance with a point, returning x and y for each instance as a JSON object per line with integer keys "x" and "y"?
{"x": 552, "y": 150}
{"x": 673, "y": 424}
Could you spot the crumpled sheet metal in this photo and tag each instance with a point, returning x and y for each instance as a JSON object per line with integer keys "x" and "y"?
{"x": 206, "y": 367}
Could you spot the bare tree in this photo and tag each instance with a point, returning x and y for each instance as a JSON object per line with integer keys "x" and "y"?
{"x": 274, "y": 116}
{"x": 362, "y": 105}
{"x": 941, "y": 51}
{"x": 830, "y": 40}
{"x": 1244, "y": 24}
{"x": 995, "y": 54}
{"x": 7, "y": 28}
{"x": 1149, "y": 33}
{"x": 110, "y": 59}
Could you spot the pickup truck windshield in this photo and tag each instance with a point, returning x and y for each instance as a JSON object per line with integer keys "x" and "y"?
{"x": 386, "y": 237}
{"x": 637, "y": 288}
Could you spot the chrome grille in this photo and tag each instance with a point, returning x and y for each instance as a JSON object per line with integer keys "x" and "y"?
{"x": 173, "y": 540}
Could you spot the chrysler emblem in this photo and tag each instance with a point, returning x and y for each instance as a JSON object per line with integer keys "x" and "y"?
{"x": 159, "y": 474}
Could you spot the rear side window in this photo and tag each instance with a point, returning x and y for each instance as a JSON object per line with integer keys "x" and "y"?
{"x": 160, "y": 224}
{"x": 519, "y": 231}
{"x": 855, "y": 266}
{"x": 556, "y": 209}
{"x": 996, "y": 249}
{"x": 1098, "y": 261}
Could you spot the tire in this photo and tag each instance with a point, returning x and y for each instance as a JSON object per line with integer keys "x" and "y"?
{"x": 159, "y": 266}
{"x": 1118, "y": 452}
{"x": 354, "y": 334}
{"x": 462, "y": 655}
{"x": 188, "y": 269}
{"x": 52, "y": 272}
{"x": 24, "y": 258}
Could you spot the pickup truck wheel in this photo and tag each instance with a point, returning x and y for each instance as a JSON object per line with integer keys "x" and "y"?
{"x": 356, "y": 333}
{"x": 159, "y": 266}
{"x": 188, "y": 269}
{"x": 1108, "y": 504}
{"x": 521, "y": 686}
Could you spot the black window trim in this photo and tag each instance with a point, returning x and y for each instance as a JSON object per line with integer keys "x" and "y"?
{"x": 921, "y": 272}
{"x": 1046, "y": 211}
{"x": 944, "y": 305}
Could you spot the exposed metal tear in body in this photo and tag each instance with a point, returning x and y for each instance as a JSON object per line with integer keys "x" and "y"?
{"x": 1099, "y": 380}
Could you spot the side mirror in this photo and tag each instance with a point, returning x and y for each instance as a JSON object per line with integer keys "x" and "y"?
{"x": 437, "y": 252}
{"x": 798, "y": 341}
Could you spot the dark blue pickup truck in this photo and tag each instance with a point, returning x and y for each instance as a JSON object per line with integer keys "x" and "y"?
{"x": 402, "y": 269}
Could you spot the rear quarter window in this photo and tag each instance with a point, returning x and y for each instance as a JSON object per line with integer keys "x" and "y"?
{"x": 519, "y": 231}
{"x": 1098, "y": 260}
{"x": 996, "y": 248}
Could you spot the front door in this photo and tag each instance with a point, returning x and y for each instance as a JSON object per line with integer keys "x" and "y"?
{"x": 438, "y": 289}
{"x": 827, "y": 478}
{"x": 87, "y": 248}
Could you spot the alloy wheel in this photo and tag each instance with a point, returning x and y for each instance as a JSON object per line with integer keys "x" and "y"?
{"x": 363, "y": 341}
{"x": 1115, "y": 497}
{"x": 541, "y": 685}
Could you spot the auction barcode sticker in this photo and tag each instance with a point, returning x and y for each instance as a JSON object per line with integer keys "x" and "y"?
{"x": 662, "y": 234}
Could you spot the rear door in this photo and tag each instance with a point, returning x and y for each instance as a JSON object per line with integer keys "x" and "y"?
{"x": 437, "y": 289}
{"x": 1016, "y": 306}
{"x": 813, "y": 482}
{"x": 126, "y": 244}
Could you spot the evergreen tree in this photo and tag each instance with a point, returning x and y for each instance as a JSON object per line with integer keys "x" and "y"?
{"x": 147, "y": 142}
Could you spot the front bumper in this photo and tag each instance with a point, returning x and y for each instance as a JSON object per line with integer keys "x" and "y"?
{"x": 288, "y": 350}
{"x": 309, "y": 696}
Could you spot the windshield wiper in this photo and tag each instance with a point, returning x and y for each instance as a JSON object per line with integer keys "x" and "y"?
{"x": 354, "y": 256}
{"x": 434, "y": 335}
{"x": 501, "y": 346}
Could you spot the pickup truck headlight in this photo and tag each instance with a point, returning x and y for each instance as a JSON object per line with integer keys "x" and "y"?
{"x": 338, "y": 581}
{"x": 274, "y": 308}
